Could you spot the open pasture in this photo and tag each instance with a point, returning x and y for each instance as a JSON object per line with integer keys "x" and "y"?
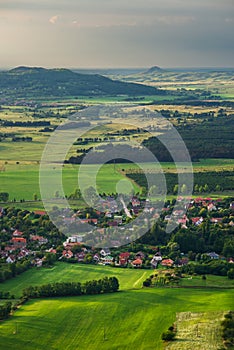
{"x": 21, "y": 180}
{"x": 124, "y": 320}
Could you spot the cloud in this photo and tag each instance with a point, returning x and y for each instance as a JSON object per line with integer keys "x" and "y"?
{"x": 229, "y": 20}
{"x": 175, "y": 20}
{"x": 54, "y": 19}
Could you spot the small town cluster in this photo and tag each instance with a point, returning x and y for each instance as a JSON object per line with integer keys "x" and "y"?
{"x": 204, "y": 233}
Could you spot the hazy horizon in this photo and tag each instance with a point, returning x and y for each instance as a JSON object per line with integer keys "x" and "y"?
{"x": 107, "y": 34}
{"x": 121, "y": 68}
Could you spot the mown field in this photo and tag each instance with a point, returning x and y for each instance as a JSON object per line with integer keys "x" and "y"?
{"x": 197, "y": 331}
{"x": 133, "y": 318}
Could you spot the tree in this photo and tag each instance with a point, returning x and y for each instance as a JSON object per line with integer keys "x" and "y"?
{"x": 153, "y": 192}
{"x": 56, "y": 194}
{"x": 230, "y": 274}
{"x": 90, "y": 195}
{"x": 228, "y": 249}
{"x": 143, "y": 191}
{"x": 4, "y": 196}
{"x": 175, "y": 189}
{"x": 200, "y": 189}
{"x": 168, "y": 335}
{"x": 184, "y": 189}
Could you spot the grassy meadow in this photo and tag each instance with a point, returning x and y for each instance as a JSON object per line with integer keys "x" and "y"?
{"x": 124, "y": 320}
{"x": 21, "y": 180}
{"x": 135, "y": 317}
{"x": 64, "y": 272}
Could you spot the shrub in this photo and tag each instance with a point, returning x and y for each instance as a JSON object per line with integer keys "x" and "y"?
{"x": 168, "y": 335}
{"x": 147, "y": 282}
{"x": 230, "y": 274}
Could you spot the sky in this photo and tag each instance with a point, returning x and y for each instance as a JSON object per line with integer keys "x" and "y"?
{"x": 117, "y": 33}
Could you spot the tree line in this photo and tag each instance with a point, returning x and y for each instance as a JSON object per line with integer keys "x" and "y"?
{"x": 217, "y": 181}
{"x": 105, "y": 285}
{"x": 5, "y": 310}
{"x": 10, "y": 123}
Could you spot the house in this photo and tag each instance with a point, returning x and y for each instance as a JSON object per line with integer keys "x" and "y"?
{"x": 19, "y": 242}
{"x": 41, "y": 240}
{"x": 197, "y": 221}
{"x": 178, "y": 212}
{"x": 22, "y": 254}
{"x": 167, "y": 262}
{"x": 40, "y": 212}
{"x": 51, "y": 250}
{"x": 211, "y": 207}
{"x": 73, "y": 239}
{"x": 96, "y": 258}
{"x": 67, "y": 254}
{"x": 10, "y": 249}
{"x": 89, "y": 221}
{"x": 213, "y": 256}
{"x": 216, "y": 220}
{"x": 165, "y": 209}
{"x": 113, "y": 223}
{"x": 118, "y": 219}
{"x": 139, "y": 255}
{"x": 137, "y": 263}
{"x": 135, "y": 211}
{"x": 10, "y": 259}
{"x": 157, "y": 258}
{"x": 135, "y": 202}
{"x": 105, "y": 251}
{"x": 183, "y": 220}
{"x": 17, "y": 233}
{"x": 123, "y": 258}
{"x": 107, "y": 260}
{"x": 183, "y": 262}
{"x": 38, "y": 262}
{"x": 80, "y": 256}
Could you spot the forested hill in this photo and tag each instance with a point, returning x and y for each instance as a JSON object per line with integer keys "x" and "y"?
{"x": 33, "y": 82}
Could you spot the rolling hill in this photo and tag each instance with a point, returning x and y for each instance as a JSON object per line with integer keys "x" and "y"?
{"x": 29, "y": 82}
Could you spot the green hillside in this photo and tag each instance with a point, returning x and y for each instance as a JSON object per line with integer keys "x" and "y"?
{"x": 125, "y": 320}
{"x": 28, "y": 82}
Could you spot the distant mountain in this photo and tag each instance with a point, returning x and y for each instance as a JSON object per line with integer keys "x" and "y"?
{"x": 154, "y": 69}
{"x": 31, "y": 82}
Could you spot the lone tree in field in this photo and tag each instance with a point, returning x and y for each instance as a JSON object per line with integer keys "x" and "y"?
{"x": 4, "y": 196}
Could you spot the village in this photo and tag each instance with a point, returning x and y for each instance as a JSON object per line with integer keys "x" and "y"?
{"x": 29, "y": 238}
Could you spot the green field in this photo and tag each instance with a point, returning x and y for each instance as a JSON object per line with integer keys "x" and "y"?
{"x": 211, "y": 281}
{"x": 21, "y": 181}
{"x": 133, "y": 318}
{"x": 129, "y": 278}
